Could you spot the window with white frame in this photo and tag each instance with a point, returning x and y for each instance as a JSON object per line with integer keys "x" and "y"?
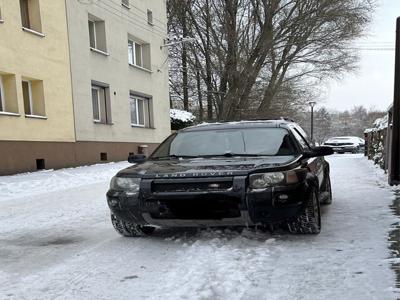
{"x": 97, "y": 34}
{"x": 135, "y": 53}
{"x": 8, "y": 93}
{"x": 139, "y": 53}
{"x": 30, "y": 15}
{"x": 33, "y": 96}
{"x": 140, "y": 111}
{"x": 96, "y": 95}
{"x": 27, "y": 95}
{"x": 101, "y": 104}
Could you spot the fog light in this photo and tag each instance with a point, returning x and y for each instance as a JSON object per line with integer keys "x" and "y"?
{"x": 113, "y": 202}
{"x": 282, "y": 198}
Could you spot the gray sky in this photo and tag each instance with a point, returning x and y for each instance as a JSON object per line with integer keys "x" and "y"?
{"x": 372, "y": 85}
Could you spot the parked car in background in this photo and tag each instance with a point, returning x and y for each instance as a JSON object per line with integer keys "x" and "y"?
{"x": 224, "y": 174}
{"x": 344, "y": 144}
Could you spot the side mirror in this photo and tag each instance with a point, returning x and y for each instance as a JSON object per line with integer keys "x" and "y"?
{"x": 318, "y": 151}
{"x": 136, "y": 158}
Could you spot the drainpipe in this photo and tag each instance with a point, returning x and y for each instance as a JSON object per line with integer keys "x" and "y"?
{"x": 394, "y": 166}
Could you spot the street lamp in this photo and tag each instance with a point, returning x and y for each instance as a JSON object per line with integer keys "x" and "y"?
{"x": 312, "y": 104}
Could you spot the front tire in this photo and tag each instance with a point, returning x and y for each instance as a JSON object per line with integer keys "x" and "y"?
{"x": 309, "y": 222}
{"x": 130, "y": 229}
{"x": 327, "y": 193}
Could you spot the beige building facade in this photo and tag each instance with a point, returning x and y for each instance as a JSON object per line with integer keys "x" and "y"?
{"x": 81, "y": 81}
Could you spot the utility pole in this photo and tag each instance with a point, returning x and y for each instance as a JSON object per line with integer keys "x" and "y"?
{"x": 394, "y": 157}
{"x": 312, "y": 104}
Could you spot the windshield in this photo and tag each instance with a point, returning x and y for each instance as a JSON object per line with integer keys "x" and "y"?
{"x": 247, "y": 141}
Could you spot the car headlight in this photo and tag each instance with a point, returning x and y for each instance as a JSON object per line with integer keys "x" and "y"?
{"x": 125, "y": 183}
{"x": 264, "y": 180}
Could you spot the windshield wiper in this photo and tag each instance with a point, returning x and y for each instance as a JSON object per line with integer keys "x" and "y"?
{"x": 175, "y": 156}
{"x": 229, "y": 154}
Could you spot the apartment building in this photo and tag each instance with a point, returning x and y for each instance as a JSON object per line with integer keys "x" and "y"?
{"x": 119, "y": 76}
{"x": 81, "y": 81}
{"x": 36, "y": 109}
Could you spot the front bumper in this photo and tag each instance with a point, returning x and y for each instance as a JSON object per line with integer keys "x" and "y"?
{"x": 234, "y": 206}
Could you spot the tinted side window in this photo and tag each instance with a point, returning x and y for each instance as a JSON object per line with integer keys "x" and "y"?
{"x": 302, "y": 141}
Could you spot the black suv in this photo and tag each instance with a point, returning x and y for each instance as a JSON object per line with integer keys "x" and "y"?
{"x": 224, "y": 174}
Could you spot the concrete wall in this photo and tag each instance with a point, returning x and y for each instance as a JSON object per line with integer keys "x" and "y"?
{"x": 27, "y": 55}
{"x": 114, "y": 69}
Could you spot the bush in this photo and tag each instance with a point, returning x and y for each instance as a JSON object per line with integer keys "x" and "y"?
{"x": 181, "y": 119}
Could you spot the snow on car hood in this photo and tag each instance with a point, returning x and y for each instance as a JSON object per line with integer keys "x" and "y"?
{"x": 205, "y": 166}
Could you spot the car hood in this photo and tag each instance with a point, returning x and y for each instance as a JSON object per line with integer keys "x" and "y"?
{"x": 342, "y": 142}
{"x": 204, "y": 167}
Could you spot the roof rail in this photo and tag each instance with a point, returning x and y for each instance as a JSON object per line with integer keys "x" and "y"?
{"x": 273, "y": 119}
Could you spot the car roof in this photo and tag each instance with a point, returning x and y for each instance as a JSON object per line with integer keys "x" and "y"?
{"x": 240, "y": 124}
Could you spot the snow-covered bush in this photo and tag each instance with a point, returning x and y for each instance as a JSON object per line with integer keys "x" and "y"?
{"x": 181, "y": 119}
{"x": 376, "y": 138}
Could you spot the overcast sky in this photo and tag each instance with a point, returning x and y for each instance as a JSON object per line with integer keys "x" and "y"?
{"x": 372, "y": 85}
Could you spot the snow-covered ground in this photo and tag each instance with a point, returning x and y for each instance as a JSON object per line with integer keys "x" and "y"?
{"x": 56, "y": 242}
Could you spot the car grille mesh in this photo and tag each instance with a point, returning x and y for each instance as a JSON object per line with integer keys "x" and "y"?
{"x": 191, "y": 187}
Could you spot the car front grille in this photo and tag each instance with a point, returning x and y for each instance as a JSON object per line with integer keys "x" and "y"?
{"x": 182, "y": 186}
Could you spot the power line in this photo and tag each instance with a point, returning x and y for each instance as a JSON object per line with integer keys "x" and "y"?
{"x": 155, "y": 31}
{"x": 139, "y": 9}
{"x": 127, "y": 12}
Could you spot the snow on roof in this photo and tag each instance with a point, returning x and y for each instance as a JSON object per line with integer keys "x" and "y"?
{"x": 181, "y": 115}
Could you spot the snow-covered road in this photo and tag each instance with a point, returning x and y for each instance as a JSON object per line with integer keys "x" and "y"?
{"x": 56, "y": 242}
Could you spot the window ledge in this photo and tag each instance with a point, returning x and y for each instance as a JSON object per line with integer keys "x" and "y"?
{"x": 141, "y": 68}
{"x": 36, "y": 117}
{"x": 102, "y": 123}
{"x": 126, "y": 6}
{"x": 99, "y": 51}
{"x": 1, "y": 20}
{"x": 140, "y": 126}
{"x": 33, "y": 31}
{"x": 11, "y": 114}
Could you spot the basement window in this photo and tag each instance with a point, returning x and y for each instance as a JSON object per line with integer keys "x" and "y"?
{"x": 103, "y": 156}
{"x": 30, "y": 15}
{"x": 40, "y": 164}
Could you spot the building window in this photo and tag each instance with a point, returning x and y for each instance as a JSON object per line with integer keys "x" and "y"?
{"x": 30, "y": 15}
{"x": 8, "y": 93}
{"x": 33, "y": 95}
{"x": 27, "y": 94}
{"x": 97, "y": 34}
{"x": 140, "y": 111}
{"x": 139, "y": 54}
{"x": 125, "y": 3}
{"x": 149, "y": 17}
{"x": 1, "y": 17}
{"x": 101, "y": 104}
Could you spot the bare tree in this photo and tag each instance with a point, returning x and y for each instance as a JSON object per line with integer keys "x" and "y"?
{"x": 255, "y": 56}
